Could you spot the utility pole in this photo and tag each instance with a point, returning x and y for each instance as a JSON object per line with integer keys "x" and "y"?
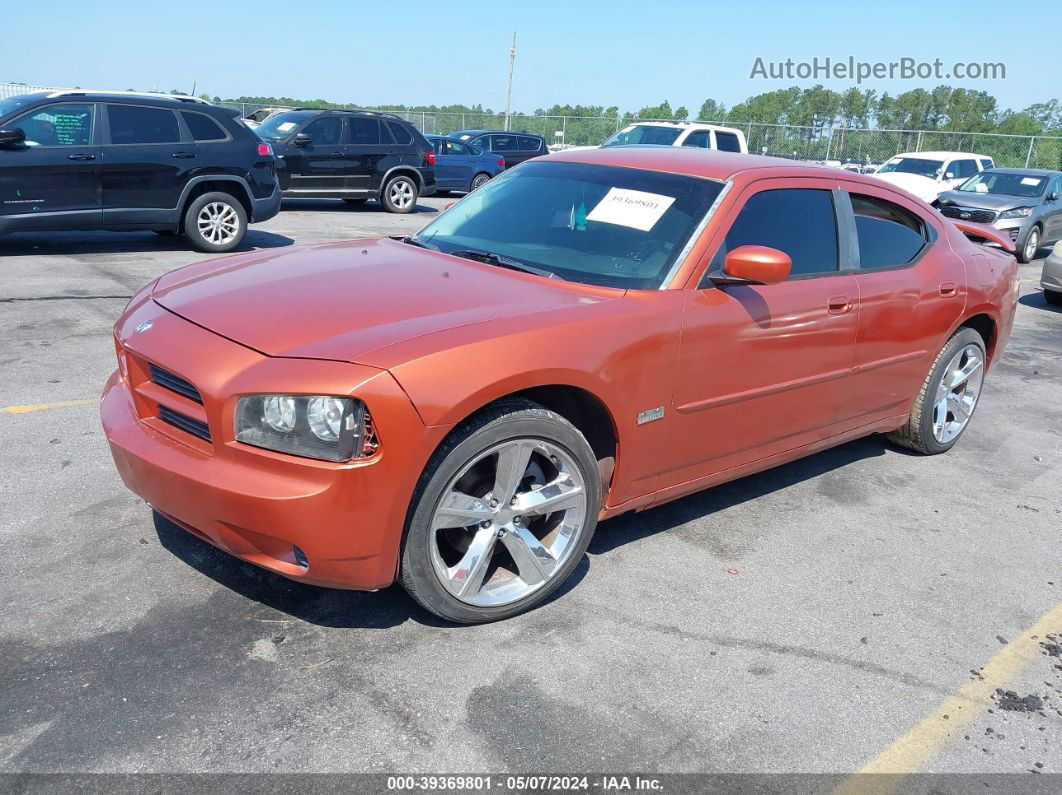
{"x": 509, "y": 93}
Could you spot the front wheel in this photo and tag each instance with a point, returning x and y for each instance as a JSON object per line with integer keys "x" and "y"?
{"x": 502, "y": 516}
{"x": 215, "y": 222}
{"x": 399, "y": 195}
{"x": 948, "y": 397}
{"x": 1032, "y": 245}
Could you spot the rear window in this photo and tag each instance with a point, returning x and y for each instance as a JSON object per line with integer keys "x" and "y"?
{"x": 203, "y": 128}
{"x": 131, "y": 124}
{"x": 400, "y": 133}
{"x": 727, "y": 142}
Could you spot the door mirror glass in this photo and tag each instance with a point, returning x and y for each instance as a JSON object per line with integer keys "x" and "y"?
{"x": 302, "y": 139}
{"x": 949, "y": 175}
{"x": 1051, "y": 197}
{"x": 755, "y": 265}
{"x": 12, "y": 137}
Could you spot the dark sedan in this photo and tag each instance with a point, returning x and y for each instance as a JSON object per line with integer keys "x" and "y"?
{"x": 512, "y": 146}
{"x": 461, "y": 166}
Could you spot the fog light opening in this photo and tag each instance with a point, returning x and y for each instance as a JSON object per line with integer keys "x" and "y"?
{"x": 300, "y": 557}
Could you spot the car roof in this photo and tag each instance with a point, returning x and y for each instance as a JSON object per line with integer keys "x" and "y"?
{"x": 683, "y": 125}
{"x": 497, "y": 132}
{"x": 694, "y": 162}
{"x": 104, "y": 95}
{"x": 1031, "y": 172}
{"x": 939, "y": 155}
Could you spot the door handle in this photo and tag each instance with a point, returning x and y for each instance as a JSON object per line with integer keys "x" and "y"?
{"x": 337, "y": 154}
{"x": 837, "y": 304}
{"x": 183, "y": 155}
{"x": 949, "y": 289}
{"x": 81, "y": 156}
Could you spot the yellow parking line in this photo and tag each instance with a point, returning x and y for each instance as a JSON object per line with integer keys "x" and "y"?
{"x": 910, "y": 753}
{"x": 59, "y": 404}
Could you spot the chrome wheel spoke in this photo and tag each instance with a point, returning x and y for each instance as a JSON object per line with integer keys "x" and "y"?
{"x": 460, "y": 510}
{"x": 534, "y": 562}
{"x": 466, "y": 578}
{"x": 963, "y": 373}
{"x": 559, "y": 495}
{"x": 957, "y": 393}
{"x": 513, "y": 460}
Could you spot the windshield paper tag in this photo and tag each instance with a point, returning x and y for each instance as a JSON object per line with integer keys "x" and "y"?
{"x": 633, "y": 208}
{"x": 1032, "y": 181}
{"x": 288, "y": 125}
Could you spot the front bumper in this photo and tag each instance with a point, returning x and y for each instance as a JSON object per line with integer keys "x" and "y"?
{"x": 255, "y": 504}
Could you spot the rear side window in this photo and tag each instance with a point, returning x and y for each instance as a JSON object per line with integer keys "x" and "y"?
{"x": 986, "y": 164}
{"x": 400, "y": 133}
{"x": 800, "y": 222}
{"x": 65, "y": 124}
{"x": 505, "y": 143}
{"x": 529, "y": 144}
{"x": 889, "y": 236}
{"x": 699, "y": 139}
{"x": 727, "y": 142}
{"x": 131, "y": 124}
{"x": 203, "y": 128}
{"x": 364, "y": 131}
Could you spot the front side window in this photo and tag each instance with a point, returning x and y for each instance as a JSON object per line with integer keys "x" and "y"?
{"x": 961, "y": 169}
{"x": 325, "y": 131}
{"x": 131, "y": 124}
{"x": 644, "y": 134}
{"x": 727, "y": 142}
{"x": 63, "y": 124}
{"x": 202, "y": 127}
{"x": 889, "y": 236}
{"x": 364, "y": 131}
{"x": 800, "y": 222}
{"x": 700, "y": 139}
{"x": 483, "y": 142}
{"x": 923, "y": 167}
{"x": 602, "y": 225}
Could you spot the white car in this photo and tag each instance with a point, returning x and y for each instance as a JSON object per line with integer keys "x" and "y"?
{"x": 929, "y": 174}
{"x": 672, "y": 133}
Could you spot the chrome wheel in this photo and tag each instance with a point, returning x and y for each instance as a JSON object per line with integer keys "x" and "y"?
{"x": 1032, "y": 245}
{"x": 480, "y": 181}
{"x": 401, "y": 194}
{"x": 957, "y": 393}
{"x": 507, "y": 522}
{"x": 218, "y": 223}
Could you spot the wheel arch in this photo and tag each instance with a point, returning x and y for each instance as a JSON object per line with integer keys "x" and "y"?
{"x": 402, "y": 169}
{"x": 984, "y": 324}
{"x": 234, "y": 186}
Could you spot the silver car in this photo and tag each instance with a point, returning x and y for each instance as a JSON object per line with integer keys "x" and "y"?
{"x": 1051, "y": 280}
{"x": 1026, "y": 203}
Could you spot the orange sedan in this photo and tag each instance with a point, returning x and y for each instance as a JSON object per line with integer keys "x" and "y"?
{"x": 590, "y": 333}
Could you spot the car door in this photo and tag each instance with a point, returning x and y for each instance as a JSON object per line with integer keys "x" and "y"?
{"x": 508, "y": 146}
{"x": 764, "y": 368}
{"x": 912, "y": 289}
{"x": 316, "y": 166}
{"x": 52, "y": 179}
{"x": 367, "y": 145}
{"x": 460, "y": 164}
{"x": 1053, "y": 214}
{"x": 147, "y": 162}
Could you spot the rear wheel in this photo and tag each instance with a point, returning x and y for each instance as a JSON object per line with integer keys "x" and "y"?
{"x": 502, "y": 515}
{"x": 1032, "y": 245}
{"x": 948, "y": 397}
{"x": 479, "y": 181}
{"x": 399, "y": 195}
{"x": 215, "y": 222}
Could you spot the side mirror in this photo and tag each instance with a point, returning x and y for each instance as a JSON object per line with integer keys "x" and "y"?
{"x": 949, "y": 175}
{"x": 302, "y": 139}
{"x": 12, "y": 136}
{"x": 1051, "y": 197}
{"x": 754, "y": 265}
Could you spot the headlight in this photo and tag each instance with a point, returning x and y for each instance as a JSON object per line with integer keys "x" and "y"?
{"x": 326, "y": 428}
{"x": 1017, "y": 212}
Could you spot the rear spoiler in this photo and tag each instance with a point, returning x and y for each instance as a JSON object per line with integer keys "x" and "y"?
{"x": 983, "y": 233}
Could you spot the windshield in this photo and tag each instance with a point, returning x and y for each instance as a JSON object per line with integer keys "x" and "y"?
{"x": 912, "y": 165}
{"x": 11, "y": 104}
{"x": 602, "y": 225}
{"x": 282, "y": 125}
{"x": 644, "y": 134}
{"x": 1004, "y": 184}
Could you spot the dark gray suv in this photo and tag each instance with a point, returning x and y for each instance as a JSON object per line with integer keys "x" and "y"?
{"x": 1026, "y": 203}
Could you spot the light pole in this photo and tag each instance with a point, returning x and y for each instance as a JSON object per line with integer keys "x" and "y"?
{"x": 509, "y": 92}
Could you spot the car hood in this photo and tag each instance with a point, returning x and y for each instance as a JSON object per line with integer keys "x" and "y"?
{"x": 924, "y": 188}
{"x": 986, "y": 201}
{"x": 342, "y": 301}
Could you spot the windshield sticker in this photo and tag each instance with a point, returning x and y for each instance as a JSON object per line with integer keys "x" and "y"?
{"x": 288, "y": 125}
{"x": 633, "y": 208}
{"x": 1031, "y": 181}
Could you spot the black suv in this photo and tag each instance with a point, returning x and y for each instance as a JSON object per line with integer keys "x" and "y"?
{"x": 121, "y": 161}
{"x": 351, "y": 155}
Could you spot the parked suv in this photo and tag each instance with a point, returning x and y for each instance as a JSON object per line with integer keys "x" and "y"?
{"x": 121, "y": 161}
{"x": 513, "y": 147}
{"x": 351, "y": 155}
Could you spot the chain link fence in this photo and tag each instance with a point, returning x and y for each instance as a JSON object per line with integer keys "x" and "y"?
{"x": 834, "y": 145}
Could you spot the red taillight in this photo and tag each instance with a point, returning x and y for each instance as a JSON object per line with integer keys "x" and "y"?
{"x": 431, "y": 157}
{"x": 501, "y": 163}
{"x": 265, "y": 150}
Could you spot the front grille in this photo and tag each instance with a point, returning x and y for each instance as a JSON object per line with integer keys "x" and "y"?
{"x": 175, "y": 383}
{"x": 185, "y": 423}
{"x": 976, "y": 216}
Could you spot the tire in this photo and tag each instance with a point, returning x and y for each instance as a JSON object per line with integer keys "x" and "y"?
{"x": 1053, "y": 297}
{"x": 479, "y": 181}
{"x": 1032, "y": 245}
{"x": 232, "y": 222}
{"x": 355, "y": 202}
{"x": 469, "y": 463}
{"x": 920, "y": 432}
{"x": 399, "y": 195}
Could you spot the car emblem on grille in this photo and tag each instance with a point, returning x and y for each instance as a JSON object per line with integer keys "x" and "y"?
{"x": 142, "y": 327}
{"x": 963, "y": 216}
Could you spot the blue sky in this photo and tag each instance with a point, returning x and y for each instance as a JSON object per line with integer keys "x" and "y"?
{"x": 578, "y": 52}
